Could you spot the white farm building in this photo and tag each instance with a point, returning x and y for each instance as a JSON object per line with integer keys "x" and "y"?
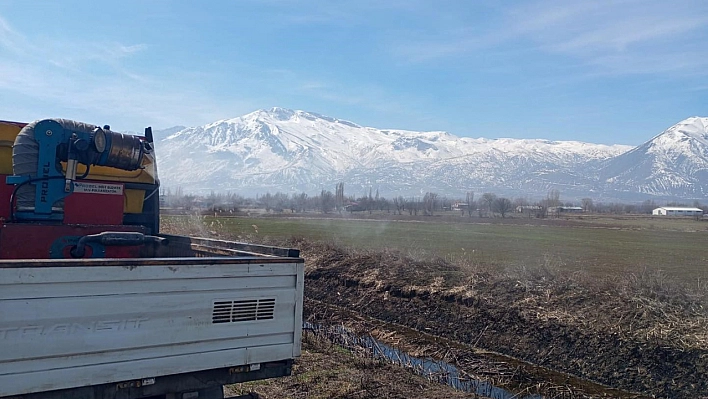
{"x": 677, "y": 211}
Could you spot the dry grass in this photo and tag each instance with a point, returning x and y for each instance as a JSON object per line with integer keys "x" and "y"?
{"x": 637, "y": 331}
{"x": 325, "y": 370}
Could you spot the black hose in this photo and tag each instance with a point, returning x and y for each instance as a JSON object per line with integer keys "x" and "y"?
{"x": 88, "y": 169}
{"x": 36, "y": 179}
{"x": 17, "y": 187}
{"x": 115, "y": 238}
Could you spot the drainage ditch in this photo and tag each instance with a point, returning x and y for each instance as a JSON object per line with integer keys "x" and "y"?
{"x": 474, "y": 371}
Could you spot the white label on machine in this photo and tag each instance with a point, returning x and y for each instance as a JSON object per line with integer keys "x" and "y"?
{"x": 98, "y": 188}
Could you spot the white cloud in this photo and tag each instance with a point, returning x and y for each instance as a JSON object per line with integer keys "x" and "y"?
{"x": 10, "y": 39}
{"x": 611, "y": 26}
{"x": 133, "y": 49}
{"x": 618, "y": 37}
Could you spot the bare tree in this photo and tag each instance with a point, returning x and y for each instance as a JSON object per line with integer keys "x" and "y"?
{"x": 267, "y": 202}
{"x": 470, "y": 201}
{"x": 326, "y": 201}
{"x": 429, "y": 201}
{"x": 502, "y": 206}
{"x": 400, "y": 204}
{"x": 445, "y": 204}
{"x": 587, "y": 204}
{"x": 187, "y": 201}
{"x": 385, "y": 204}
{"x": 370, "y": 202}
{"x": 648, "y": 206}
{"x": 488, "y": 201}
{"x": 552, "y": 201}
{"x": 413, "y": 206}
{"x": 280, "y": 201}
{"x": 339, "y": 197}
{"x": 553, "y": 198}
{"x": 299, "y": 202}
{"x": 542, "y": 211}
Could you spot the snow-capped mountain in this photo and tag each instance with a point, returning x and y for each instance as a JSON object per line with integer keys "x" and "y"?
{"x": 295, "y": 151}
{"x": 158, "y": 135}
{"x": 672, "y": 164}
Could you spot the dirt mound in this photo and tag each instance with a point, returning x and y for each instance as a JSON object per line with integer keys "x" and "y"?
{"x": 640, "y": 333}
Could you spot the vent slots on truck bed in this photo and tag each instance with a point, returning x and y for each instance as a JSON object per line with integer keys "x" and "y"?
{"x": 243, "y": 310}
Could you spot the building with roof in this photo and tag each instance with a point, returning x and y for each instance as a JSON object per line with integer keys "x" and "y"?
{"x": 557, "y": 210}
{"x": 460, "y": 206}
{"x": 677, "y": 211}
{"x": 529, "y": 209}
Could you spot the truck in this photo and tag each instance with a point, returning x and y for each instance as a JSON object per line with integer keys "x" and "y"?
{"x": 97, "y": 303}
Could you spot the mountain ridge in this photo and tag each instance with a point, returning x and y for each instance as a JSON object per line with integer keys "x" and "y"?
{"x": 298, "y": 151}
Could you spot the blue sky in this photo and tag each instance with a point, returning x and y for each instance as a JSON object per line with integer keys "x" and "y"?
{"x": 596, "y": 71}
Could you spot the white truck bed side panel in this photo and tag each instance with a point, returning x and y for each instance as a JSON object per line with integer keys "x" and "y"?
{"x": 77, "y": 326}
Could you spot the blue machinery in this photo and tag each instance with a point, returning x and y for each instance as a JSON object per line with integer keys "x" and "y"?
{"x": 41, "y": 146}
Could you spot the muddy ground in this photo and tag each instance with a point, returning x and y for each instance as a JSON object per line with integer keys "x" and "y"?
{"x": 325, "y": 370}
{"x": 638, "y": 333}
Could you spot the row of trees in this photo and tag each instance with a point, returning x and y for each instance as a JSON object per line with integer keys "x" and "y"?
{"x": 487, "y": 205}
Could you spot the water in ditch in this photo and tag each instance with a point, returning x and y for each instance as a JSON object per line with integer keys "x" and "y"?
{"x": 438, "y": 371}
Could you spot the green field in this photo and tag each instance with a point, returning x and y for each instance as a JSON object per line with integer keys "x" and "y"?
{"x": 601, "y": 246}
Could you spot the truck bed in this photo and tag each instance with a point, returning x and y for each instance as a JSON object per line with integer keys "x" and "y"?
{"x": 191, "y": 305}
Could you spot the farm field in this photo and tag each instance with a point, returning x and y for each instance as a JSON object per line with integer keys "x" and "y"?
{"x": 598, "y": 246}
{"x": 634, "y": 320}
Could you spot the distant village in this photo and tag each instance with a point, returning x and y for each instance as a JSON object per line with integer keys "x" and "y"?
{"x": 486, "y": 205}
